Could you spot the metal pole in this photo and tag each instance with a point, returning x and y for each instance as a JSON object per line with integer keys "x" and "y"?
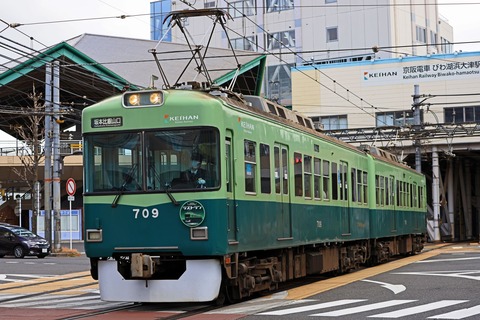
{"x": 417, "y": 122}
{"x": 47, "y": 185}
{"x": 436, "y": 193}
{"x": 56, "y": 156}
{"x": 450, "y": 195}
{"x": 70, "y": 218}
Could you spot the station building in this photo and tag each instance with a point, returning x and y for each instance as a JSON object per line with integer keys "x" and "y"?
{"x": 372, "y": 103}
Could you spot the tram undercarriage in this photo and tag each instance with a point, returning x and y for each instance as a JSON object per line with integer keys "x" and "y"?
{"x": 148, "y": 278}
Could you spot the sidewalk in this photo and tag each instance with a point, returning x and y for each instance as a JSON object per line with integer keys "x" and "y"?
{"x": 76, "y": 245}
{"x": 454, "y": 245}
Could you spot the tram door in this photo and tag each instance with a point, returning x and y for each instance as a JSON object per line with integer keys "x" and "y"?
{"x": 282, "y": 192}
{"x": 230, "y": 185}
{"x": 343, "y": 196}
{"x": 392, "y": 202}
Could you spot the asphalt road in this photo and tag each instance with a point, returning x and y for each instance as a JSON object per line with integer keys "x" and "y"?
{"x": 442, "y": 284}
{"x": 50, "y": 265}
{"x": 442, "y": 287}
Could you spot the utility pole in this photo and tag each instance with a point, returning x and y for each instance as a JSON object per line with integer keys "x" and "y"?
{"x": 56, "y": 155}
{"x": 47, "y": 187}
{"x": 418, "y": 124}
{"x": 52, "y": 155}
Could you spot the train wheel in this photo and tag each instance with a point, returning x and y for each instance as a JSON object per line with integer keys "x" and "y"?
{"x": 220, "y": 300}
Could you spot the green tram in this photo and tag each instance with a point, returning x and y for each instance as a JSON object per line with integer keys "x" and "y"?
{"x": 200, "y": 196}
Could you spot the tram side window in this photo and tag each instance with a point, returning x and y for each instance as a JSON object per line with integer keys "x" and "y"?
{"x": 414, "y": 195}
{"x": 354, "y": 185}
{"x": 360, "y": 186}
{"x": 276, "y": 161}
{"x": 250, "y": 165}
{"x": 298, "y": 174}
{"x": 391, "y": 191}
{"x": 326, "y": 179}
{"x": 265, "y": 178}
{"x": 365, "y": 187}
{"x": 335, "y": 181}
{"x": 343, "y": 184}
{"x": 377, "y": 189}
{"x": 228, "y": 168}
{"x": 398, "y": 192}
{"x": 307, "y": 168}
{"x": 387, "y": 191}
{"x": 285, "y": 170}
{"x": 317, "y": 178}
{"x": 420, "y": 197}
{"x": 409, "y": 195}
{"x": 382, "y": 191}
{"x": 402, "y": 193}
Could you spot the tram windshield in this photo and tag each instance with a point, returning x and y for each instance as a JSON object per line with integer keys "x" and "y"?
{"x": 164, "y": 160}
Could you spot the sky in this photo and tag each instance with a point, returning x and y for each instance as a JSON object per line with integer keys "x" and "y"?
{"x": 49, "y": 22}
{"x": 99, "y": 17}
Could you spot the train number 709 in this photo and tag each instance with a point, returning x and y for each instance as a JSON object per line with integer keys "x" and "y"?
{"x": 145, "y": 213}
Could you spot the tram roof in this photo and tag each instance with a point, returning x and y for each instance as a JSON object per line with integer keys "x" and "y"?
{"x": 95, "y": 67}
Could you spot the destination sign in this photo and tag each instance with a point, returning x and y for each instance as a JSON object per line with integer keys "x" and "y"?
{"x": 107, "y": 122}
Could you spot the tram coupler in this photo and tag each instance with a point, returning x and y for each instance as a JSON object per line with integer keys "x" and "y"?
{"x": 142, "y": 266}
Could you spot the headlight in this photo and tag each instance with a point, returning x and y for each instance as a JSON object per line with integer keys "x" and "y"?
{"x": 31, "y": 244}
{"x": 94, "y": 235}
{"x": 134, "y": 100}
{"x": 143, "y": 99}
{"x": 155, "y": 98}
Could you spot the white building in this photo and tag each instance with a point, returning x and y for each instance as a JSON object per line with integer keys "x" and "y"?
{"x": 378, "y": 92}
{"x": 302, "y": 32}
{"x": 370, "y": 102}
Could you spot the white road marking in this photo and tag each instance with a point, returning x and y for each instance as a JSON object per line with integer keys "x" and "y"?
{"x": 446, "y": 260}
{"x": 311, "y": 307}
{"x": 465, "y": 274}
{"x": 418, "y": 309}
{"x": 368, "y": 307}
{"x": 395, "y": 288}
{"x": 459, "y": 314}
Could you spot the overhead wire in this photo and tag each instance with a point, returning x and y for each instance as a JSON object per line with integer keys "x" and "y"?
{"x": 274, "y": 54}
{"x": 281, "y": 44}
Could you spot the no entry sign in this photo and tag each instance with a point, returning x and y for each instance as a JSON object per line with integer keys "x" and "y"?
{"x": 71, "y": 187}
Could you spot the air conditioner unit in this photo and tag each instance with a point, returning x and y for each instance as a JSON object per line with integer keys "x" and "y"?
{"x": 318, "y": 126}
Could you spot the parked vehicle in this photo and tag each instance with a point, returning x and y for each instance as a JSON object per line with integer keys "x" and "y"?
{"x": 21, "y": 242}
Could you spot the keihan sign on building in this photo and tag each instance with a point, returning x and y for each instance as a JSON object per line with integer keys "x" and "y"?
{"x": 420, "y": 71}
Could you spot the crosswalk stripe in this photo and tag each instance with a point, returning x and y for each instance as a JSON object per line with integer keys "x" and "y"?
{"x": 459, "y": 314}
{"x": 33, "y": 276}
{"x": 60, "y": 301}
{"x": 311, "y": 307}
{"x": 368, "y": 307}
{"x": 418, "y": 309}
{"x": 38, "y": 302}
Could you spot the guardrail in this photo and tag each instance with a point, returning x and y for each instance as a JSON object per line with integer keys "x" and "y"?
{"x": 21, "y": 148}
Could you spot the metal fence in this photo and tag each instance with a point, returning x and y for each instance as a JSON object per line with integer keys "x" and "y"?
{"x": 21, "y": 148}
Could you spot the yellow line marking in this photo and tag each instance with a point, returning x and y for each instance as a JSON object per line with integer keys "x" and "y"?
{"x": 49, "y": 283}
{"x": 339, "y": 281}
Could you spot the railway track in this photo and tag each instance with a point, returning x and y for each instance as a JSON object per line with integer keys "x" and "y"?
{"x": 44, "y": 286}
{"x": 43, "y": 289}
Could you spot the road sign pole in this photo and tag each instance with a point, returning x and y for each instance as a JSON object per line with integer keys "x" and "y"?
{"x": 70, "y": 224}
{"x": 71, "y": 188}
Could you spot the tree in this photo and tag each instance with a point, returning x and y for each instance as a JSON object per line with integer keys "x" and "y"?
{"x": 32, "y": 132}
